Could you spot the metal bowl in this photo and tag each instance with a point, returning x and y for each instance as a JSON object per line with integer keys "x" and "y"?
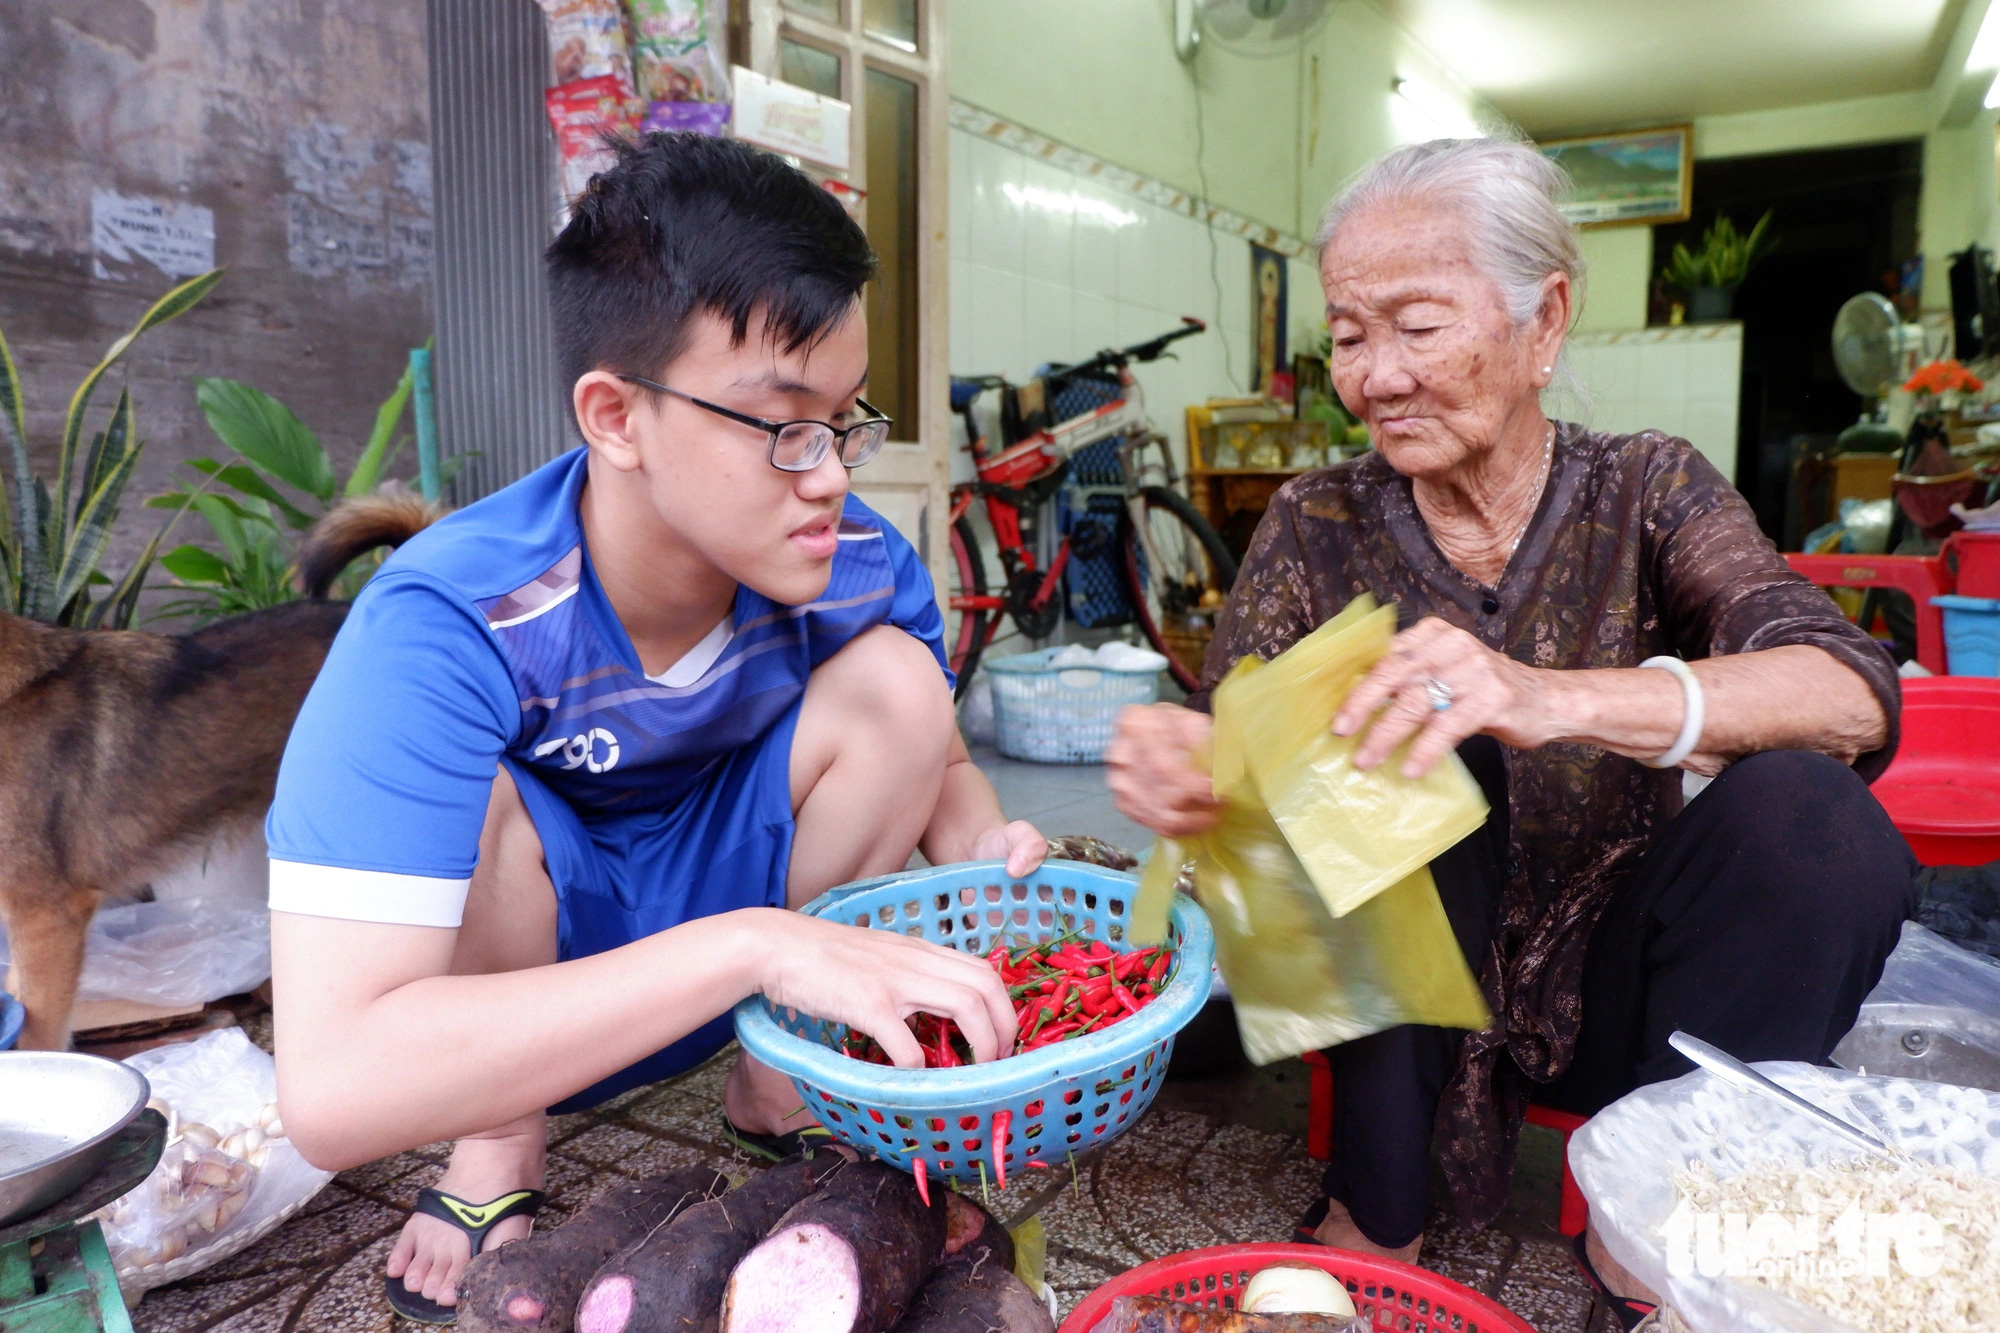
{"x": 59, "y": 1116}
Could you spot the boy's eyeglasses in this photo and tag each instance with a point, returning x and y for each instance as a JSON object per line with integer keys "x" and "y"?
{"x": 799, "y": 446}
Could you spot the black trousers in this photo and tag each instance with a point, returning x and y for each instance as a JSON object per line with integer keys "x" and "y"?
{"x": 1758, "y": 921}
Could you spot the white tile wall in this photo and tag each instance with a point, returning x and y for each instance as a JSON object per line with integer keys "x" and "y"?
{"x": 1684, "y": 380}
{"x": 1050, "y": 265}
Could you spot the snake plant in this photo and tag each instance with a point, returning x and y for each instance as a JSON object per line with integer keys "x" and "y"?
{"x": 1725, "y": 257}
{"x": 52, "y": 540}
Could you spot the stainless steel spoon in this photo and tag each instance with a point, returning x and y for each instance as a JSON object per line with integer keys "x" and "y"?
{"x": 1732, "y": 1070}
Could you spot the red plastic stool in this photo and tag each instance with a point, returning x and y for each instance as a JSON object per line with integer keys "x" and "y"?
{"x": 1575, "y": 1212}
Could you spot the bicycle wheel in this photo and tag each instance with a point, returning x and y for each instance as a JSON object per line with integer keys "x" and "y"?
{"x": 965, "y": 630}
{"x": 1177, "y": 573}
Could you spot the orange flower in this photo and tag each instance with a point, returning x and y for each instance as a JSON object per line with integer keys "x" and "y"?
{"x": 1945, "y": 376}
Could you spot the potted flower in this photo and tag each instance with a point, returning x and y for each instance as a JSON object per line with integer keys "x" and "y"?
{"x": 1711, "y": 274}
{"x": 1940, "y": 386}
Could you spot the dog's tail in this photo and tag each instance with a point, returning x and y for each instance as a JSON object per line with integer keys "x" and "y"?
{"x": 352, "y": 528}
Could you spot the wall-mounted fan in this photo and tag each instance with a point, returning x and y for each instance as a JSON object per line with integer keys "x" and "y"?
{"x": 1246, "y": 27}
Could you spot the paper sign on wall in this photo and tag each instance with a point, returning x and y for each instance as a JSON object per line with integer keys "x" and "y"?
{"x": 791, "y": 120}
{"x": 177, "y": 239}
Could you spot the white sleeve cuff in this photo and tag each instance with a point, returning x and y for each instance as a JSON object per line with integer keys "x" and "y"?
{"x": 367, "y": 895}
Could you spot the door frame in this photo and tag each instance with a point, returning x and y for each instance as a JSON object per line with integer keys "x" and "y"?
{"x": 922, "y": 464}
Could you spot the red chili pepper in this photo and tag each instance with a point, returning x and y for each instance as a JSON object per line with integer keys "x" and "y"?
{"x": 1002, "y": 1119}
{"x": 923, "y": 1188}
{"x": 1125, "y": 1000}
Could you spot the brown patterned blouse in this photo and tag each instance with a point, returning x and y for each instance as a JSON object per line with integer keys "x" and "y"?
{"x": 1639, "y": 548}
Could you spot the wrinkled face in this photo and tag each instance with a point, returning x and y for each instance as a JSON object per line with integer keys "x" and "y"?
{"x": 1424, "y": 351}
{"x": 709, "y": 478}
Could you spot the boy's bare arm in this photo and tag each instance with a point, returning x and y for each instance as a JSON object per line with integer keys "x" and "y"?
{"x": 968, "y": 824}
{"x": 380, "y": 1050}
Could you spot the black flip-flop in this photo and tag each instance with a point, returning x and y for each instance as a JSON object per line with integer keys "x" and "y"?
{"x": 475, "y": 1220}
{"x": 776, "y": 1147}
{"x": 1629, "y": 1312}
{"x": 1306, "y": 1230}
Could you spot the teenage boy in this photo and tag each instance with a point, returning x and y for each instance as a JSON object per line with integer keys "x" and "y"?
{"x": 580, "y": 744}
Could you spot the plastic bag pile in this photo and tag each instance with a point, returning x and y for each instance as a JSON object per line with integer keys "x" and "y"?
{"x": 1317, "y": 878}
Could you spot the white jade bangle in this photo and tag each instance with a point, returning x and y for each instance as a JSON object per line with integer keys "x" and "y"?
{"x": 1691, "y": 718}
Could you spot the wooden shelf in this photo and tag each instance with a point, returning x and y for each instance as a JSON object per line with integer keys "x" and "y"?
{"x": 1205, "y": 471}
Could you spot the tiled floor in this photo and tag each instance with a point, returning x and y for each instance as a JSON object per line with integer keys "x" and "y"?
{"x": 1218, "y": 1160}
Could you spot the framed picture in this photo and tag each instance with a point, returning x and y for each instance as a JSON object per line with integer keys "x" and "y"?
{"x": 1267, "y": 314}
{"x": 1634, "y": 176}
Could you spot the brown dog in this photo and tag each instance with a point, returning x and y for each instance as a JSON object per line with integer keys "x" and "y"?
{"x": 120, "y": 749}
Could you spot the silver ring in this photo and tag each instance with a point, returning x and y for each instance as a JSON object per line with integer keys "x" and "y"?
{"x": 1439, "y": 692}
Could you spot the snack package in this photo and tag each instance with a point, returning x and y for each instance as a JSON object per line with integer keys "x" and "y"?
{"x": 587, "y": 41}
{"x": 1317, "y": 881}
{"x": 675, "y": 52}
{"x": 711, "y": 118}
{"x": 582, "y": 113}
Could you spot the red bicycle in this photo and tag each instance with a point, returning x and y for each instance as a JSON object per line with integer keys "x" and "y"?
{"x": 1176, "y": 567}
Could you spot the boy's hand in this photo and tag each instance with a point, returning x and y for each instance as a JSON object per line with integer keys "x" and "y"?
{"x": 873, "y": 980}
{"x": 1020, "y": 844}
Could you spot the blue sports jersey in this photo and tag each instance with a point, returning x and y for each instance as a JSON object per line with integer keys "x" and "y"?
{"x": 488, "y": 636}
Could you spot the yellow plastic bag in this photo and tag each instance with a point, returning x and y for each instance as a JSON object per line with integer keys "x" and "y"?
{"x": 1356, "y": 833}
{"x": 1303, "y": 836}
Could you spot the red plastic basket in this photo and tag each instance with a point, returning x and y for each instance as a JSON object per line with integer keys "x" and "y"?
{"x": 1943, "y": 790}
{"x": 1395, "y": 1295}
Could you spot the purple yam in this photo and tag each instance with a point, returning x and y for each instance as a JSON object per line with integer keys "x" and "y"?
{"x": 850, "y": 1259}
{"x": 674, "y": 1278}
{"x": 971, "y": 1294}
{"x": 973, "y": 1232}
{"x": 532, "y": 1285}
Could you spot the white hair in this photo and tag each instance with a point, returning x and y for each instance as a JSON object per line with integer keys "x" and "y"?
{"x": 1507, "y": 193}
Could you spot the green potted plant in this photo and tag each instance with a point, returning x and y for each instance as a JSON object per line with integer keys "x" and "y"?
{"x": 53, "y": 538}
{"x": 1711, "y": 274}
{"x": 259, "y": 502}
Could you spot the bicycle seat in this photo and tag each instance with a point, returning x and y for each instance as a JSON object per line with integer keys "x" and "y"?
{"x": 963, "y": 391}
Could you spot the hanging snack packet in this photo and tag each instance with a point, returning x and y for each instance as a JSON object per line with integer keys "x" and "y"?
{"x": 1303, "y": 978}
{"x": 587, "y": 41}
{"x": 675, "y": 52}
{"x": 582, "y": 113}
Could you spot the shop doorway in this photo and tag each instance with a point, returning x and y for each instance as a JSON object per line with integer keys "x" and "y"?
{"x": 1846, "y": 222}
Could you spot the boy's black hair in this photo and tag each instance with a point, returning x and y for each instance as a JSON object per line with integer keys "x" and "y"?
{"x": 687, "y": 222}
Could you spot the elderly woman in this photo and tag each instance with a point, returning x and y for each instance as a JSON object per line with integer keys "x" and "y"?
{"x": 1584, "y": 616}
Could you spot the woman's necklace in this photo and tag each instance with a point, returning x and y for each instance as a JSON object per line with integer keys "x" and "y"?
{"x": 1548, "y": 454}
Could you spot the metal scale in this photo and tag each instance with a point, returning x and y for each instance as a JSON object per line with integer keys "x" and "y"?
{"x": 55, "y": 1272}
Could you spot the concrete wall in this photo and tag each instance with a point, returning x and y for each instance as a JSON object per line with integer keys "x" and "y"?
{"x": 296, "y": 131}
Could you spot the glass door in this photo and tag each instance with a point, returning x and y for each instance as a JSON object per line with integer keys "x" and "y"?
{"x": 886, "y": 59}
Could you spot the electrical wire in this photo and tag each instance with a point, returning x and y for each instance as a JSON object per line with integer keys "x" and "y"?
{"x": 1202, "y": 207}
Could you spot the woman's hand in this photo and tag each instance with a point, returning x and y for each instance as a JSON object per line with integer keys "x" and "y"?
{"x": 1156, "y": 779}
{"x": 1489, "y": 692}
{"x": 872, "y": 980}
{"x": 1020, "y": 844}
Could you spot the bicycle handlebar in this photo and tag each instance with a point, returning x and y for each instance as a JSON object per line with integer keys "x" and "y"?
{"x": 1150, "y": 350}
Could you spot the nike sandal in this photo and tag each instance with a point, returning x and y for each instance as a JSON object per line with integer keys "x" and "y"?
{"x": 1629, "y": 1312}
{"x": 775, "y": 1147}
{"x": 475, "y": 1220}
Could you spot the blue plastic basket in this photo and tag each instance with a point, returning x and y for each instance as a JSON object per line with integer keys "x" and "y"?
{"x": 1064, "y": 1099}
{"x": 1971, "y": 634}
{"x": 12, "y": 1018}
{"x": 1061, "y": 715}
